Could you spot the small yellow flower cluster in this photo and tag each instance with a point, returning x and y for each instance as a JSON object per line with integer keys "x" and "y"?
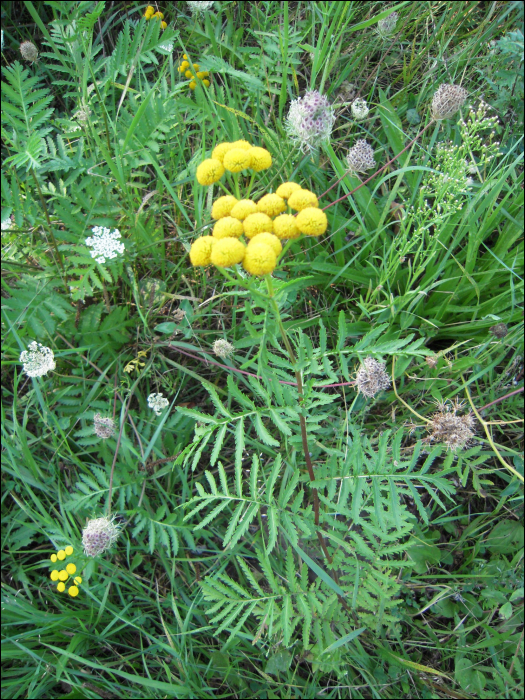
{"x": 63, "y": 575}
{"x": 150, "y": 14}
{"x": 263, "y": 223}
{"x": 202, "y": 76}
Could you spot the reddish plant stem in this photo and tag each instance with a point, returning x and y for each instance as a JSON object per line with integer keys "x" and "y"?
{"x": 501, "y": 398}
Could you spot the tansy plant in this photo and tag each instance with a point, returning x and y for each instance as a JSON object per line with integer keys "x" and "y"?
{"x": 151, "y": 14}
{"x": 65, "y": 577}
{"x": 192, "y": 73}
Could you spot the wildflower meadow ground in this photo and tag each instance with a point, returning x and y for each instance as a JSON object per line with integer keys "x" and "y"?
{"x": 262, "y": 349}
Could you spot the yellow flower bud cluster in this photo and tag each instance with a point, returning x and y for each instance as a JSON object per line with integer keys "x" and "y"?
{"x": 233, "y": 157}
{"x": 63, "y": 575}
{"x": 151, "y": 14}
{"x": 193, "y": 74}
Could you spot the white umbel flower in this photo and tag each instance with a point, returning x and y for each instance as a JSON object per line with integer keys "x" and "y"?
{"x": 310, "y": 120}
{"x": 360, "y": 109}
{"x": 158, "y": 403}
{"x": 222, "y": 348}
{"x": 38, "y": 360}
{"x": 197, "y": 8}
{"x": 105, "y": 243}
{"x": 7, "y": 224}
{"x": 99, "y": 535}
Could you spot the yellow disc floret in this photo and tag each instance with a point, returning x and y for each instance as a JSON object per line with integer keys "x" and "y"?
{"x": 257, "y": 223}
{"x": 188, "y": 74}
{"x": 192, "y": 85}
{"x": 78, "y": 580}
{"x": 68, "y": 550}
{"x": 163, "y": 25}
{"x": 183, "y": 66}
{"x": 54, "y": 575}
{"x": 267, "y": 239}
{"x": 209, "y": 171}
{"x": 285, "y": 226}
{"x": 261, "y": 158}
{"x": 200, "y": 251}
{"x": 223, "y": 206}
{"x": 271, "y": 204}
{"x": 63, "y": 575}
{"x": 260, "y": 259}
{"x": 243, "y": 145}
{"x": 228, "y": 227}
{"x": 243, "y": 208}
{"x": 311, "y": 221}
{"x": 227, "y": 252}
{"x": 237, "y": 159}
{"x": 220, "y": 150}
{"x": 61, "y": 587}
{"x": 53, "y": 558}
{"x": 286, "y": 189}
{"x": 71, "y": 569}
{"x": 202, "y": 74}
{"x": 300, "y": 199}
{"x": 61, "y": 555}
{"x": 73, "y": 591}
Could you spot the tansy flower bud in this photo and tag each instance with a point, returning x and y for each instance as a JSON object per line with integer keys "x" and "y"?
{"x": 61, "y": 554}
{"x": 78, "y": 580}
{"x": 73, "y": 591}
{"x": 163, "y": 25}
{"x": 68, "y": 550}
{"x": 188, "y": 74}
{"x": 244, "y": 208}
{"x": 220, "y": 150}
{"x": 206, "y": 83}
{"x": 228, "y": 227}
{"x": 311, "y": 221}
{"x": 192, "y": 86}
{"x": 196, "y": 66}
{"x": 54, "y": 575}
{"x": 53, "y": 558}
{"x": 243, "y": 145}
{"x": 261, "y": 159}
{"x": 284, "y": 226}
{"x": 63, "y": 575}
{"x": 209, "y": 171}
{"x": 257, "y": 223}
{"x": 260, "y": 259}
{"x": 237, "y": 159}
{"x": 71, "y": 569}
{"x": 300, "y": 199}
{"x": 61, "y": 587}
{"x": 227, "y": 252}
{"x": 200, "y": 251}
{"x": 202, "y": 74}
{"x": 286, "y": 189}
{"x": 267, "y": 239}
{"x": 183, "y": 66}
{"x": 271, "y": 204}
{"x": 150, "y": 9}
{"x": 222, "y": 206}
{"x": 185, "y": 55}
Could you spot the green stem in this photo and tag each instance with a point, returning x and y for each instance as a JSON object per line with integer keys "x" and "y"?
{"x": 250, "y": 185}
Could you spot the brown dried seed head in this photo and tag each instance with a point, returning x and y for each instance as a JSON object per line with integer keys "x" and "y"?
{"x": 500, "y": 330}
{"x": 360, "y": 157}
{"x": 447, "y": 100}
{"x": 104, "y": 427}
{"x": 371, "y": 377}
{"x": 451, "y": 429}
{"x": 29, "y": 51}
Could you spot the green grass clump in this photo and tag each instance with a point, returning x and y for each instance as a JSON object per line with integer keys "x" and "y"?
{"x": 296, "y": 476}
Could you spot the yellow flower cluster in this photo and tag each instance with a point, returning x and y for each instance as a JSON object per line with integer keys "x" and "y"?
{"x": 63, "y": 575}
{"x": 150, "y": 14}
{"x": 193, "y": 76}
{"x": 264, "y": 223}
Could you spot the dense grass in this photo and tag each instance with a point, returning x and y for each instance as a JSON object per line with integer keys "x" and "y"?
{"x": 411, "y": 552}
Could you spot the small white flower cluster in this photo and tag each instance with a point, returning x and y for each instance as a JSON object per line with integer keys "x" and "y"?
{"x": 197, "y": 8}
{"x": 104, "y": 243}
{"x": 38, "y": 360}
{"x": 310, "y": 120}
{"x": 222, "y": 348}
{"x": 359, "y": 109}
{"x": 104, "y": 427}
{"x": 360, "y": 157}
{"x": 99, "y": 535}
{"x": 158, "y": 403}
{"x": 7, "y": 224}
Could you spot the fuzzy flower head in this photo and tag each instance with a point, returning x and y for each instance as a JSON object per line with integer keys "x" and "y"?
{"x": 447, "y": 100}
{"x": 285, "y": 226}
{"x": 29, "y": 51}
{"x": 227, "y": 252}
{"x": 237, "y": 159}
{"x": 310, "y": 120}
{"x": 158, "y": 403}
{"x": 99, "y": 535}
{"x": 268, "y": 239}
{"x": 300, "y": 199}
{"x": 286, "y": 189}
{"x": 223, "y": 206}
{"x": 257, "y": 223}
{"x": 311, "y": 221}
{"x": 451, "y": 429}
{"x": 261, "y": 159}
{"x": 360, "y": 157}
{"x": 200, "y": 251}
{"x": 65, "y": 574}
{"x": 104, "y": 427}
{"x": 260, "y": 259}
{"x": 105, "y": 244}
{"x": 221, "y": 149}
{"x": 197, "y": 8}
{"x": 387, "y": 26}
{"x": 360, "y": 109}
{"x": 242, "y": 209}
{"x": 209, "y": 171}
{"x": 38, "y": 360}
{"x": 228, "y": 227}
{"x": 271, "y": 204}
{"x": 371, "y": 377}
{"x": 222, "y": 348}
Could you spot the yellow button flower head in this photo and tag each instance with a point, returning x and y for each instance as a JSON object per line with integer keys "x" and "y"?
{"x": 223, "y": 206}
{"x": 257, "y": 223}
{"x": 220, "y": 150}
{"x": 284, "y": 226}
{"x": 243, "y": 145}
{"x": 73, "y": 591}
{"x": 183, "y": 66}
{"x": 271, "y": 204}
{"x": 53, "y": 558}
{"x": 227, "y": 252}
{"x": 54, "y": 575}
{"x": 300, "y": 199}
{"x": 61, "y": 555}
{"x": 68, "y": 550}
{"x": 286, "y": 189}
{"x": 202, "y": 74}
{"x": 267, "y": 239}
{"x": 63, "y": 575}
{"x": 200, "y": 251}
{"x": 185, "y": 55}
{"x": 188, "y": 74}
{"x": 311, "y": 221}
{"x": 163, "y": 25}
{"x": 71, "y": 569}
{"x": 61, "y": 587}
{"x": 206, "y": 83}
{"x": 243, "y": 208}
{"x": 261, "y": 159}
{"x": 192, "y": 86}
{"x": 228, "y": 227}
{"x": 260, "y": 259}
{"x": 209, "y": 171}
{"x": 78, "y": 580}
{"x": 237, "y": 159}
